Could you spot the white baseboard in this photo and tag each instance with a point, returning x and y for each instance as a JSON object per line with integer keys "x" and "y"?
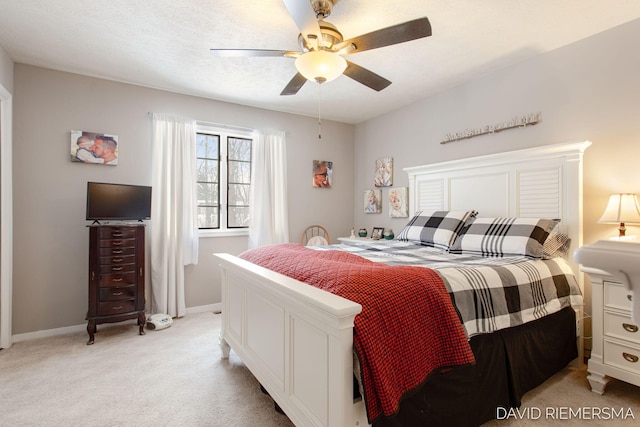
{"x": 49, "y": 333}
{"x": 78, "y": 328}
{"x": 216, "y": 308}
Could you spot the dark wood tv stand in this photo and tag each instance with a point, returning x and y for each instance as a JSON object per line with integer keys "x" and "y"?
{"x": 116, "y": 275}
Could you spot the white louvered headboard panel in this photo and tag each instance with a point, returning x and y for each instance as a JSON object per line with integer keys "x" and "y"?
{"x": 540, "y": 193}
{"x": 543, "y": 182}
{"x": 430, "y": 195}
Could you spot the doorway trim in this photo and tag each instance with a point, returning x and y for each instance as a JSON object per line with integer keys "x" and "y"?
{"x": 6, "y": 223}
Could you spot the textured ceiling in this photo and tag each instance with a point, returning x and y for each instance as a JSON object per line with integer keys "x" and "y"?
{"x": 165, "y": 44}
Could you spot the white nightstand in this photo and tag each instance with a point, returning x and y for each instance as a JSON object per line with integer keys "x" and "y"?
{"x": 616, "y": 337}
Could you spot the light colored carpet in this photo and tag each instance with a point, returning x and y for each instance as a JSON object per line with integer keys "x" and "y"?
{"x": 175, "y": 377}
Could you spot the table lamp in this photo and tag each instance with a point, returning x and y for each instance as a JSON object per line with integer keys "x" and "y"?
{"x": 622, "y": 209}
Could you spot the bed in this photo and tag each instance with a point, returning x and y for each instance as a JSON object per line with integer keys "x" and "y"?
{"x": 298, "y": 340}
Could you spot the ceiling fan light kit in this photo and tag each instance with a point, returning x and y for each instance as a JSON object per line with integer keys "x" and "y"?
{"x": 322, "y": 46}
{"x": 321, "y": 66}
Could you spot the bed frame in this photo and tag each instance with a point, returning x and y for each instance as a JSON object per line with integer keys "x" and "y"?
{"x": 297, "y": 340}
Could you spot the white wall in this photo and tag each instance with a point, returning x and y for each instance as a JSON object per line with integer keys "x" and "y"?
{"x": 50, "y": 268}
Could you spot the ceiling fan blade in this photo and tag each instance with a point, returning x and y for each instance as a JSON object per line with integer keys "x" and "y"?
{"x": 253, "y": 52}
{"x": 305, "y": 18}
{"x": 294, "y": 85}
{"x": 411, "y": 30}
{"x": 366, "y": 77}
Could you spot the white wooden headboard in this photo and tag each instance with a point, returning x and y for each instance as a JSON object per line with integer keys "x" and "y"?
{"x": 544, "y": 182}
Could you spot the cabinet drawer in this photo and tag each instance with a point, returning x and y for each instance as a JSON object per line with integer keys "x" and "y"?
{"x": 116, "y": 232}
{"x": 616, "y": 296}
{"x": 117, "y": 259}
{"x": 117, "y": 294}
{"x": 118, "y": 268}
{"x": 116, "y": 307}
{"x": 116, "y": 251}
{"x": 117, "y": 279}
{"x": 117, "y": 243}
{"x": 622, "y": 356}
{"x": 616, "y": 325}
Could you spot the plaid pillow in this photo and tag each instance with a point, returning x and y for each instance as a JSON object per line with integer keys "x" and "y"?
{"x": 435, "y": 228}
{"x": 505, "y": 237}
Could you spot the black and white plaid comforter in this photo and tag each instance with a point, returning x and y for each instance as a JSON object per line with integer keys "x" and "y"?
{"x": 489, "y": 293}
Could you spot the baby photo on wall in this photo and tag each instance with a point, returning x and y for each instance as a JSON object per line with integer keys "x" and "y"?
{"x": 322, "y": 173}
{"x": 94, "y": 147}
{"x": 398, "y": 207}
{"x": 373, "y": 201}
{"x": 384, "y": 172}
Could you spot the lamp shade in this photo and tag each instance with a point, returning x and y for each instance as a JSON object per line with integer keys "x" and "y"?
{"x": 621, "y": 209}
{"x": 320, "y": 66}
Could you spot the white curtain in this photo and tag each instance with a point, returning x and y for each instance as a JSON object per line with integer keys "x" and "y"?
{"x": 269, "y": 220}
{"x": 174, "y": 223}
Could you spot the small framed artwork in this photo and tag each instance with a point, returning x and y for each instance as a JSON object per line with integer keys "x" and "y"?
{"x": 373, "y": 201}
{"x": 384, "y": 172}
{"x": 322, "y": 173}
{"x": 94, "y": 147}
{"x": 377, "y": 233}
{"x": 398, "y": 207}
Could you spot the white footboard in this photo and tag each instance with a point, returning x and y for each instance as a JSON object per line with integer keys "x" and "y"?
{"x": 297, "y": 341}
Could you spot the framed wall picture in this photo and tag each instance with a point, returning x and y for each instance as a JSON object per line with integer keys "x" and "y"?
{"x": 384, "y": 172}
{"x": 93, "y": 147}
{"x": 373, "y": 201}
{"x": 398, "y": 206}
{"x": 322, "y": 174}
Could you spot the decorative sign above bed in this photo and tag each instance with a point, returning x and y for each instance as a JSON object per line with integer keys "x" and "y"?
{"x": 516, "y": 122}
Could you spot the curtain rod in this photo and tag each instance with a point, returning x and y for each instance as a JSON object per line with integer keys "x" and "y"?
{"x": 220, "y": 125}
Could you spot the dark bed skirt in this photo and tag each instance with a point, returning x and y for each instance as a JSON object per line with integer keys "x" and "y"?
{"x": 509, "y": 363}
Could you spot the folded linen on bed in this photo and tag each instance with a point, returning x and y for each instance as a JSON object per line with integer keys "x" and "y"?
{"x": 408, "y": 327}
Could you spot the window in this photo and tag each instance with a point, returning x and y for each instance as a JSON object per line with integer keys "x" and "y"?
{"x": 224, "y": 178}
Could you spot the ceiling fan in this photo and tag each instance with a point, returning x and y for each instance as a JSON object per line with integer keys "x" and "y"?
{"x": 322, "y": 46}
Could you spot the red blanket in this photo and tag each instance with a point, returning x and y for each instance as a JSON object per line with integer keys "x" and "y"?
{"x": 407, "y": 329}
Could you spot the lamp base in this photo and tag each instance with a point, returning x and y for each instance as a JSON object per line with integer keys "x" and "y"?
{"x": 622, "y": 230}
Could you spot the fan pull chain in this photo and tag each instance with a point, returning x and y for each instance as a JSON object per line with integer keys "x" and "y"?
{"x": 319, "y": 112}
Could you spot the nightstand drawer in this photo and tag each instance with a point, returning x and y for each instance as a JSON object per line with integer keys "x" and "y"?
{"x": 116, "y": 307}
{"x": 622, "y": 356}
{"x": 117, "y": 294}
{"x": 616, "y": 296}
{"x": 616, "y": 325}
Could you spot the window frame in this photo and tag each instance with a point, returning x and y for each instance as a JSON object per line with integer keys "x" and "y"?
{"x": 224, "y": 133}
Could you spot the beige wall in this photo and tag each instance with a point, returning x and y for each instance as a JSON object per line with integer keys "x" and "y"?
{"x": 50, "y": 249}
{"x": 6, "y": 71}
{"x": 585, "y": 91}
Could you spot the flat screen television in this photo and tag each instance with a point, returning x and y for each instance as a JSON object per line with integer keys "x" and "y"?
{"x": 118, "y": 202}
